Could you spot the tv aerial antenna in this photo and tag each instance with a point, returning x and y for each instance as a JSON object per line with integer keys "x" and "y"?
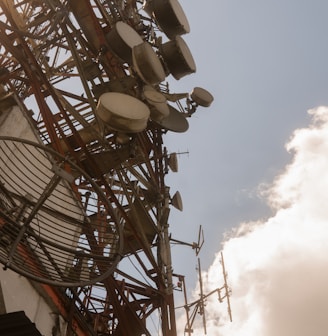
{"x": 198, "y": 307}
{"x": 195, "y": 245}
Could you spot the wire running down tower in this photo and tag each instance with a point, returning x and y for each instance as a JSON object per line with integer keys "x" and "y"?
{"x": 84, "y": 104}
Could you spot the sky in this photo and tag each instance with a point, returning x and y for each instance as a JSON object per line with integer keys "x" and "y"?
{"x": 277, "y": 267}
{"x": 255, "y": 173}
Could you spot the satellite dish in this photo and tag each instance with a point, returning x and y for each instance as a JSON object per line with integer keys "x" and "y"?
{"x": 121, "y": 40}
{"x": 50, "y": 225}
{"x": 158, "y": 102}
{"x": 147, "y": 64}
{"x": 201, "y": 97}
{"x": 175, "y": 122}
{"x": 176, "y": 201}
{"x": 173, "y": 162}
{"x": 178, "y": 57}
{"x": 122, "y": 112}
{"x": 170, "y": 17}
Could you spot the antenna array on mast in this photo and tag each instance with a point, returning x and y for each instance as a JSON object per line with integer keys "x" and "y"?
{"x": 84, "y": 104}
{"x": 199, "y": 306}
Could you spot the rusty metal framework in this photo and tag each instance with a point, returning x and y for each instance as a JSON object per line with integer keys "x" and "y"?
{"x": 55, "y": 60}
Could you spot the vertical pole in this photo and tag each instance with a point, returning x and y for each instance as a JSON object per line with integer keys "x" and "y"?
{"x": 226, "y": 286}
{"x": 202, "y": 306}
{"x": 188, "y": 327}
{"x": 169, "y": 322}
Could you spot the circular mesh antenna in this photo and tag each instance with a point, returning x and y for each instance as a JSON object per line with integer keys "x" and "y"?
{"x": 56, "y": 224}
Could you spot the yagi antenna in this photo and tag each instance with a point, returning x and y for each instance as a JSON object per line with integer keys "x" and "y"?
{"x": 183, "y": 153}
{"x": 201, "y": 240}
{"x": 198, "y": 307}
{"x": 225, "y": 288}
{"x": 203, "y": 297}
{"x": 195, "y": 245}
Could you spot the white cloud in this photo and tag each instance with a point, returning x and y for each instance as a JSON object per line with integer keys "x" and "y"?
{"x": 278, "y": 270}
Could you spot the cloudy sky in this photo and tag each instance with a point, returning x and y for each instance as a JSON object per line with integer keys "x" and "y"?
{"x": 255, "y": 176}
{"x": 277, "y": 267}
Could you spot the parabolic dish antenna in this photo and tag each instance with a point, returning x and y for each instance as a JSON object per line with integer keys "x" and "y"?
{"x": 201, "y": 97}
{"x": 147, "y": 64}
{"x": 170, "y": 17}
{"x": 173, "y": 162}
{"x": 176, "y": 201}
{"x": 158, "y": 102}
{"x": 122, "y": 112}
{"x": 178, "y": 57}
{"x": 175, "y": 122}
{"x": 56, "y": 224}
{"x": 121, "y": 40}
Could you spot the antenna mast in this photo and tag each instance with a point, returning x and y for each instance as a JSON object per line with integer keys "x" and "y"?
{"x": 199, "y": 306}
{"x": 84, "y": 204}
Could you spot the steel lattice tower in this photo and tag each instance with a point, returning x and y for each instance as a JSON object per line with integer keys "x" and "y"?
{"x": 62, "y": 62}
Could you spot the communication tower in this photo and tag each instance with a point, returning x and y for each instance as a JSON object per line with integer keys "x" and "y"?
{"x": 84, "y": 207}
